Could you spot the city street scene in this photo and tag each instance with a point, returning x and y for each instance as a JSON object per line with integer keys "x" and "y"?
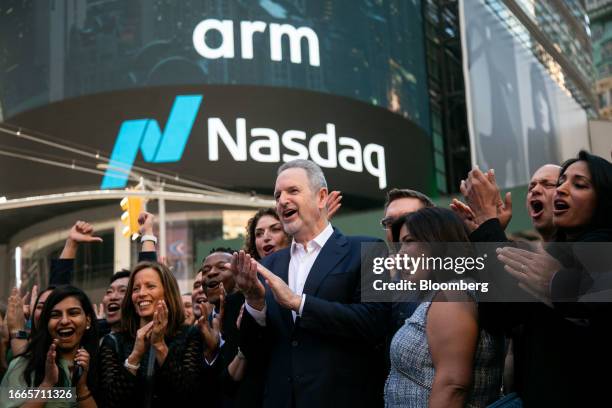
{"x": 305, "y": 203}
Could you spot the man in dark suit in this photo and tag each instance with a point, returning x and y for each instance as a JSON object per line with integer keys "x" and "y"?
{"x": 324, "y": 347}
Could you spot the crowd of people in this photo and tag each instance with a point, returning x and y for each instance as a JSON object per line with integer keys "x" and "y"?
{"x": 281, "y": 322}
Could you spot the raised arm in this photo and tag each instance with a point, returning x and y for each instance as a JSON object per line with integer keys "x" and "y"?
{"x": 62, "y": 269}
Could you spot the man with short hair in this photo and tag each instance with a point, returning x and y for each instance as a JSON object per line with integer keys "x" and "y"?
{"x": 481, "y": 193}
{"x": 215, "y": 272}
{"x": 198, "y": 295}
{"x": 216, "y": 279}
{"x": 113, "y": 297}
{"x": 540, "y": 197}
{"x": 321, "y": 341}
{"x": 188, "y": 308}
{"x": 401, "y": 202}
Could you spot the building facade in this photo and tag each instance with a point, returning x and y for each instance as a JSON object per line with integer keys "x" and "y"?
{"x": 600, "y": 14}
{"x": 201, "y": 101}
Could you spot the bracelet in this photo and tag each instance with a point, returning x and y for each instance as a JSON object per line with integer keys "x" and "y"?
{"x": 127, "y": 365}
{"x": 18, "y": 335}
{"x": 240, "y": 354}
{"x": 151, "y": 238}
{"x": 83, "y": 398}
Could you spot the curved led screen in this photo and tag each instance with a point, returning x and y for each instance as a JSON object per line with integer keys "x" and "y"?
{"x": 233, "y": 137}
{"x": 372, "y": 51}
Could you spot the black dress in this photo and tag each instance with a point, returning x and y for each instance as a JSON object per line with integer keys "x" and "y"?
{"x": 176, "y": 383}
{"x": 560, "y": 353}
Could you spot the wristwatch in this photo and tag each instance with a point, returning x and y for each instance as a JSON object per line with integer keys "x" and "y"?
{"x": 18, "y": 334}
{"x": 151, "y": 238}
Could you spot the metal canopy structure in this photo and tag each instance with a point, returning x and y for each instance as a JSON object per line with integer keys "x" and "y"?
{"x": 17, "y": 213}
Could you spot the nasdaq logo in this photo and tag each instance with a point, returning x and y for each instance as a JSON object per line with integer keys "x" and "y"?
{"x": 241, "y": 143}
{"x": 156, "y": 146}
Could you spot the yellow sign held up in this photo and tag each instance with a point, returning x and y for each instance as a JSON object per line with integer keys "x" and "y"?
{"x": 132, "y": 207}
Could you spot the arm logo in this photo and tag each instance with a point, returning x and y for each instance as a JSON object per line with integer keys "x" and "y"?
{"x": 156, "y": 146}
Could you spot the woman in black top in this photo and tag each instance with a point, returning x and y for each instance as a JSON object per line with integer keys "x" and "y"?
{"x": 156, "y": 360}
{"x": 564, "y": 347}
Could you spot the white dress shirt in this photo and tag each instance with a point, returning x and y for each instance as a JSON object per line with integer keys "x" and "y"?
{"x": 300, "y": 264}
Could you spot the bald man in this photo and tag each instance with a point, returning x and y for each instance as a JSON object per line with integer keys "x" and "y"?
{"x": 540, "y": 196}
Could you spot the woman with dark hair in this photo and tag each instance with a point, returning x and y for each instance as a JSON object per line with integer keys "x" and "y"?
{"x": 156, "y": 360}
{"x": 17, "y": 324}
{"x": 265, "y": 234}
{"x": 441, "y": 357}
{"x": 61, "y": 351}
{"x": 583, "y": 202}
{"x": 582, "y": 213}
{"x": 565, "y": 346}
{"x": 39, "y": 305}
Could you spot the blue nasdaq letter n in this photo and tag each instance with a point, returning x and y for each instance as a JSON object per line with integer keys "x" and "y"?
{"x": 156, "y": 146}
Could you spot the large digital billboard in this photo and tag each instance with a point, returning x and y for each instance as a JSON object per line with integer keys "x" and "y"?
{"x": 217, "y": 91}
{"x": 232, "y": 137}
{"x": 519, "y": 118}
{"x": 372, "y": 51}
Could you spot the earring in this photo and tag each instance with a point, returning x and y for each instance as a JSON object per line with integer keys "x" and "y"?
{"x": 87, "y": 328}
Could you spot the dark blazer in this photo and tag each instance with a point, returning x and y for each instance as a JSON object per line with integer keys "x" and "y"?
{"x": 331, "y": 356}
{"x": 248, "y": 392}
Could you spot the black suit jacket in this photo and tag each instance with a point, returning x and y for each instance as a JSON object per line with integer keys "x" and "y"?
{"x": 333, "y": 355}
{"x": 247, "y": 392}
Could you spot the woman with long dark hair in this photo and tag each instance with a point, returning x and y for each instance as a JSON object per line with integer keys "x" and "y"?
{"x": 583, "y": 201}
{"x": 61, "y": 352}
{"x": 565, "y": 346}
{"x": 582, "y": 213}
{"x": 39, "y": 305}
{"x": 156, "y": 360}
{"x": 441, "y": 357}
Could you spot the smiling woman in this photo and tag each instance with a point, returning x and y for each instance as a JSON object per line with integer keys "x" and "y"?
{"x": 155, "y": 359}
{"x": 61, "y": 352}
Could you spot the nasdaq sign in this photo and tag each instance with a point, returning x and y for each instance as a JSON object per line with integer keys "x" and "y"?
{"x": 263, "y": 146}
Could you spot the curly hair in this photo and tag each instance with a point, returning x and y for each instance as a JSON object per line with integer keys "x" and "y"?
{"x": 249, "y": 242}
